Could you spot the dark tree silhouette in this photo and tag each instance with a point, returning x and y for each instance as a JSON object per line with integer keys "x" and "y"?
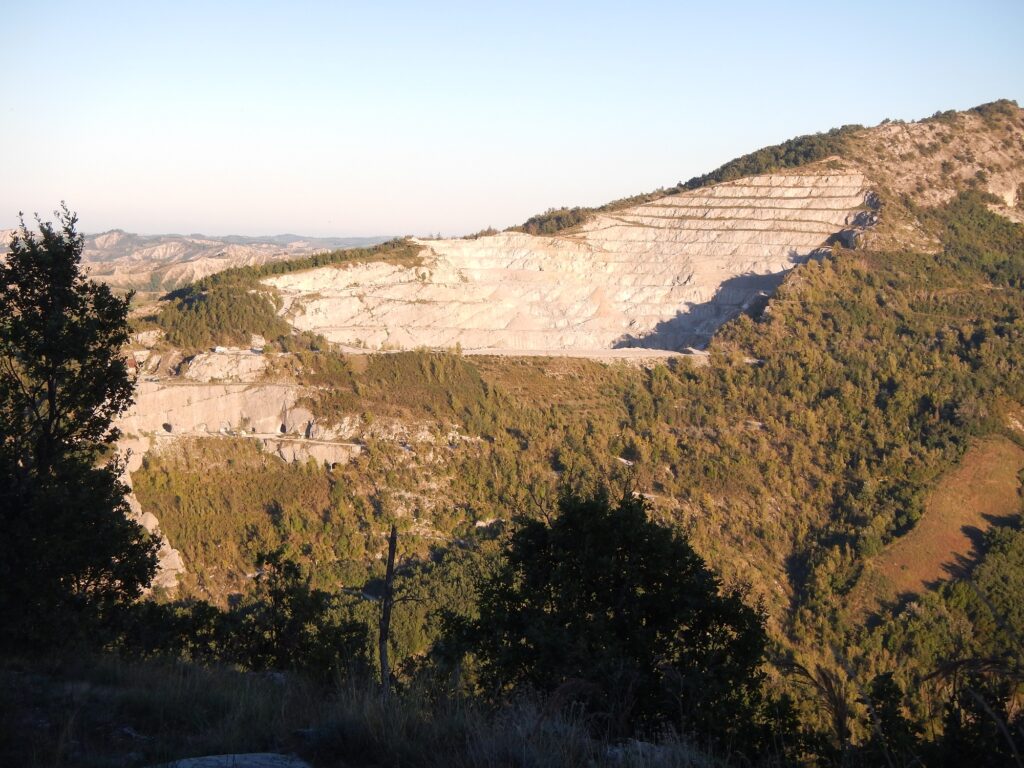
{"x": 604, "y": 606}
{"x": 288, "y": 625}
{"x": 68, "y": 553}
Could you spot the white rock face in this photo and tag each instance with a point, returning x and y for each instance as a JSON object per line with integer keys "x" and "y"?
{"x": 661, "y": 275}
{"x": 196, "y": 409}
{"x": 171, "y": 408}
{"x": 322, "y": 452}
{"x": 243, "y": 366}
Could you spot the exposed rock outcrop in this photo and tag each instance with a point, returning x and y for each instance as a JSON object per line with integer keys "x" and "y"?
{"x": 930, "y": 161}
{"x": 170, "y": 565}
{"x": 239, "y": 366}
{"x": 321, "y": 451}
{"x": 173, "y": 408}
{"x": 661, "y": 275}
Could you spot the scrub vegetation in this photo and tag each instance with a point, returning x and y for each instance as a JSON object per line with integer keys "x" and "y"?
{"x": 804, "y": 451}
{"x": 596, "y": 564}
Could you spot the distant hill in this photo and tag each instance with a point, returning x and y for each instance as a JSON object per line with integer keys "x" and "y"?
{"x": 129, "y": 261}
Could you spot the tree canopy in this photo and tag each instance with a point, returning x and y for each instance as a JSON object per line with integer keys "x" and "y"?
{"x": 67, "y": 544}
{"x": 608, "y": 607}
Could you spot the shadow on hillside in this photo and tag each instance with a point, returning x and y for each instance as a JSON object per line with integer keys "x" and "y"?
{"x": 695, "y": 326}
{"x": 748, "y": 293}
{"x": 960, "y": 567}
{"x": 963, "y": 564}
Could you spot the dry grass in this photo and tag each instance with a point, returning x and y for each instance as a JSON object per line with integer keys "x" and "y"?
{"x": 418, "y": 731}
{"x": 586, "y": 387}
{"x": 983, "y": 489}
{"x": 106, "y": 712}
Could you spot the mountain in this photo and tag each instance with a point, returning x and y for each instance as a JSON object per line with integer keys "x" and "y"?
{"x": 127, "y": 261}
{"x": 666, "y": 272}
{"x": 904, "y": 203}
{"x": 847, "y": 452}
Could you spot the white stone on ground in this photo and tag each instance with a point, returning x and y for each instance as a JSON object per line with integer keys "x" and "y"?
{"x": 254, "y": 760}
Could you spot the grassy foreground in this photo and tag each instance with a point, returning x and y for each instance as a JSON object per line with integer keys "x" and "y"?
{"x": 104, "y": 711}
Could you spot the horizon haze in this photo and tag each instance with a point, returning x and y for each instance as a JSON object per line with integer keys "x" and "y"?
{"x": 324, "y": 120}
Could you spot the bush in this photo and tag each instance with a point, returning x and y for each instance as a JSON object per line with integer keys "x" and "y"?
{"x": 789, "y": 154}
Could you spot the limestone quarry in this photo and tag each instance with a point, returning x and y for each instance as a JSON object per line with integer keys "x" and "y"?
{"x": 662, "y": 275}
{"x": 636, "y": 283}
{"x": 667, "y": 273}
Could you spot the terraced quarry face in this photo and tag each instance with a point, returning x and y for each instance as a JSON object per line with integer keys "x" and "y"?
{"x": 661, "y": 275}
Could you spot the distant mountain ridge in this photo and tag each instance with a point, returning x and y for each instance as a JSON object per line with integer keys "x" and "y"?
{"x": 129, "y": 261}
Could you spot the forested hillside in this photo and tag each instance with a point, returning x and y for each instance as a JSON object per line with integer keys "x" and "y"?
{"x": 803, "y": 546}
{"x": 804, "y": 448}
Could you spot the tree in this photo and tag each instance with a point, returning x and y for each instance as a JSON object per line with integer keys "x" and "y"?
{"x": 387, "y": 603}
{"x": 286, "y": 624}
{"x": 604, "y": 606}
{"x": 895, "y": 739}
{"x": 68, "y": 554}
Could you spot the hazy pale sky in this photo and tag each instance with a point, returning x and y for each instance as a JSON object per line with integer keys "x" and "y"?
{"x": 337, "y": 118}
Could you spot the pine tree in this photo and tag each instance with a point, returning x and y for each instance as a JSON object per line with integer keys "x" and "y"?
{"x": 68, "y": 553}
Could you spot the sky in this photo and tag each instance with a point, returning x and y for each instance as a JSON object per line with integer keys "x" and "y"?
{"x": 393, "y": 118}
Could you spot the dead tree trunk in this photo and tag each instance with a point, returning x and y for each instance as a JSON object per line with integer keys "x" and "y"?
{"x": 385, "y": 615}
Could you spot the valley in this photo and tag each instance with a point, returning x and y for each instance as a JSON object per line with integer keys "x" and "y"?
{"x": 807, "y": 364}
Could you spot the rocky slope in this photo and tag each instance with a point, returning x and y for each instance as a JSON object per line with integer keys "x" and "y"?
{"x": 661, "y": 275}
{"x": 928, "y": 162}
{"x": 666, "y": 273}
